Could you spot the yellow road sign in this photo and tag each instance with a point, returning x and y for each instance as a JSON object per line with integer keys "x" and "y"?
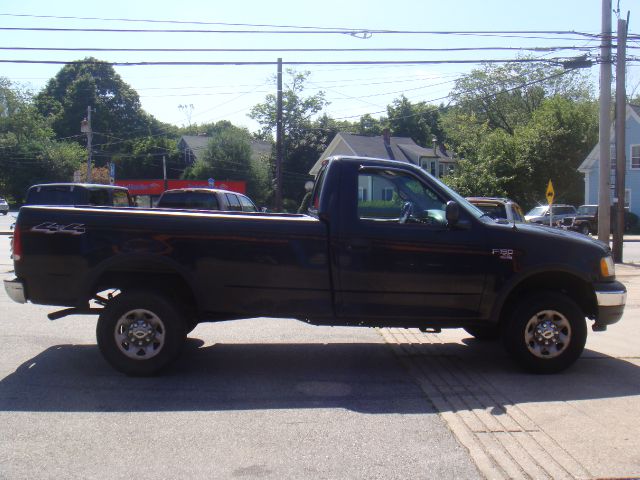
{"x": 550, "y": 193}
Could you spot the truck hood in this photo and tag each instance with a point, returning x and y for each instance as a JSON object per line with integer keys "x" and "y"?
{"x": 561, "y": 234}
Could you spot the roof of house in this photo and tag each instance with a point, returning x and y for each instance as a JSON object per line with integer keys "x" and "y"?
{"x": 198, "y": 145}
{"x": 403, "y": 149}
{"x": 399, "y": 148}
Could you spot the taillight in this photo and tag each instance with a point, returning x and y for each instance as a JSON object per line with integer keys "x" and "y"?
{"x": 17, "y": 244}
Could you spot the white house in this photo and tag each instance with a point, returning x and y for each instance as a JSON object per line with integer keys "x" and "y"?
{"x": 434, "y": 160}
{"x": 591, "y": 165}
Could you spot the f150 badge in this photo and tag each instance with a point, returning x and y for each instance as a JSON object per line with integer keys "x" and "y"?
{"x": 503, "y": 253}
{"x": 52, "y": 227}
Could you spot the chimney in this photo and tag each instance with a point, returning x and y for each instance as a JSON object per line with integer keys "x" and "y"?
{"x": 386, "y": 136}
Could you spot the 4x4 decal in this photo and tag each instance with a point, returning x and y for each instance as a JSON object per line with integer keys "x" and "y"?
{"x": 52, "y": 227}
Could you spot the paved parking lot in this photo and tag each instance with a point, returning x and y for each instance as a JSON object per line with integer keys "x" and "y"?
{"x": 275, "y": 398}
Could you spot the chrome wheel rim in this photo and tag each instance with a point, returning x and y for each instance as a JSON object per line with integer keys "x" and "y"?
{"x": 140, "y": 334}
{"x": 547, "y": 334}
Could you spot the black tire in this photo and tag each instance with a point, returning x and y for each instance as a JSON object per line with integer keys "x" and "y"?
{"x": 546, "y": 333}
{"x": 585, "y": 229}
{"x": 485, "y": 334}
{"x": 140, "y": 332}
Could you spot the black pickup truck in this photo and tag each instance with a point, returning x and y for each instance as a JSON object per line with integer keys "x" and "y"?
{"x": 384, "y": 244}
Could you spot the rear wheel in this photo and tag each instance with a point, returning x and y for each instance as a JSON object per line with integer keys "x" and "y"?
{"x": 546, "y": 333}
{"x": 140, "y": 332}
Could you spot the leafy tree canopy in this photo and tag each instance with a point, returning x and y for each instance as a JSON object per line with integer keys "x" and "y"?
{"x": 505, "y": 96}
{"x": 419, "y": 121}
{"x": 28, "y": 152}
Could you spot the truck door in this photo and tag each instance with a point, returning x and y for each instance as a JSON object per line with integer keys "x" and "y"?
{"x": 397, "y": 258}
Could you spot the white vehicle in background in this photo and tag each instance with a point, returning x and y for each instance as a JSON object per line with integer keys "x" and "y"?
{"x": 4, "y": 206}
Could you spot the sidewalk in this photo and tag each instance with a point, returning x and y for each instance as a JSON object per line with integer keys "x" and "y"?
{"x": 581, "y": 423}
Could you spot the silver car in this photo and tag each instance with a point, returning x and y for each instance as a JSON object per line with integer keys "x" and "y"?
{"x": 4, "y": 206}
{"x": 540, "y": 214}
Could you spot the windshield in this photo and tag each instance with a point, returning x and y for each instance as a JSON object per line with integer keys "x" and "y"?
{"x": 471, "y": 208}
{"x": 56, "y": 195}
{"x": 587, "y": 209}
{"x": 189, "y": 200}
{"x": 537, "y": 211}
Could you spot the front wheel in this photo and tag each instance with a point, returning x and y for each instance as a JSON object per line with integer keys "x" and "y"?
{"x": 140, "y": 332}
{"x": 546, "y": 333}
{"x": 585, "y": 229}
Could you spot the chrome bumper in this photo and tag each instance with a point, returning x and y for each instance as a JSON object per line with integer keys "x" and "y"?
{"x": 611, "y": 299}
{"x": 15, "y": 290}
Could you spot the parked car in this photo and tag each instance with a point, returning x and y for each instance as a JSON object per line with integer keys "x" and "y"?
{"x": 540, "y": 214}
{"x": 586, "y": 220}
{"x": 4, "y": 206}
{"x": 78, "y": 194}
{"x": 499, "y": 208}
{"x": 206, "y": 199}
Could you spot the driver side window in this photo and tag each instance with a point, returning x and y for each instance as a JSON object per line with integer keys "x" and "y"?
{"x": 397, "y": 197}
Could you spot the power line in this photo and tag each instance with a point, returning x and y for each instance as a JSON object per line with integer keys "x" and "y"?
{"x": 270, "y": 63}
{"x": 364, "y": 33}
{"x": 306, "y": 50}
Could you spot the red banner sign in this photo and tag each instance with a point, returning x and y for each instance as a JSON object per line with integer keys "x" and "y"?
{"x": 156, "y": 187}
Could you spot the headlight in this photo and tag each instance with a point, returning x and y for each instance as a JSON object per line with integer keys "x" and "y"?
{"x": 607, "y": 267}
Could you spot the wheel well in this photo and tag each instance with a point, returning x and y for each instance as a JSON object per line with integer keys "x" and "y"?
{"x": 157, "y": 278}
{"x": 574, "y": 287}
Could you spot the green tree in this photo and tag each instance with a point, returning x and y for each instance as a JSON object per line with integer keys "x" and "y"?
{"x": 550, "y": 146}
{"x": 418, "y": 121}
{"x": 560, "y": 135}
{"x": 92, "y": 83}
{"x": 518, "y": 125}
{"x": 28, "y": 152}
{"x": 227, "y": 157}
{"x": 302, "y": 135}
{"x": 370, "y": 127}
{"x": 505, "y": 96}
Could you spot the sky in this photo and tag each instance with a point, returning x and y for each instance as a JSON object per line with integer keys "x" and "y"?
{"x": 188, "y": 94}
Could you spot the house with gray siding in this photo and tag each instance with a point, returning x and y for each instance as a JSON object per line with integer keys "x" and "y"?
{"x": 591, "y": 165}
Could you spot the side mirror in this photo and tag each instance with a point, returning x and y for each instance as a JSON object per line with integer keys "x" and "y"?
{"x": 452, "y": 213}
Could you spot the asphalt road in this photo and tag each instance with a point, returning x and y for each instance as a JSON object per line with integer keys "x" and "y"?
{"x": 258, "y": 398}
{"x": 275, "y": 398}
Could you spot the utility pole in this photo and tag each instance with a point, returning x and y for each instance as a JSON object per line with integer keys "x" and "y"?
{"x": 279, "y": 135}
{"x": 604, "y": 199}
{"x": 85, "y": 127}
{"x": 621, "y": 125}
{"x": 164, "y": 172}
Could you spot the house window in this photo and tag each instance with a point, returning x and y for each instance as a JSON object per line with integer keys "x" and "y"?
{"x": 387, "y": 194}
{"x": 627, "y": 198}
{"x": 635, "y": 157}
{"x": 362, "y": 194}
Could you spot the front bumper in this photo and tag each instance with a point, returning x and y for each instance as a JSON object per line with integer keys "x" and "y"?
{"x": 611, "y": 298}
{"x": 16, "y": 291}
